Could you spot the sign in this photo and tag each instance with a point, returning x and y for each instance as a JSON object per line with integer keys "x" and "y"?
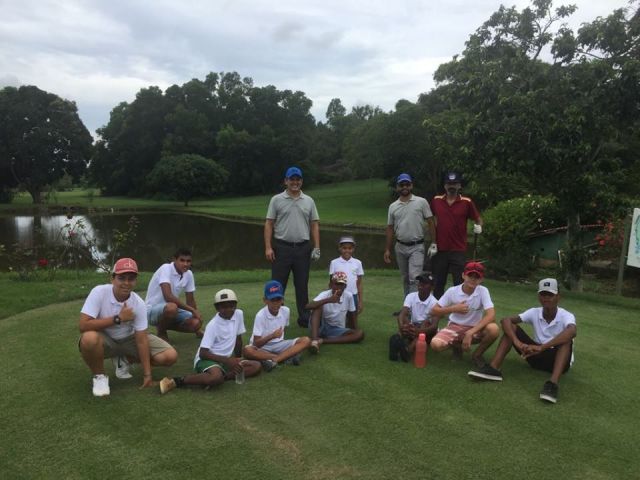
{"x": 633, "y": 256}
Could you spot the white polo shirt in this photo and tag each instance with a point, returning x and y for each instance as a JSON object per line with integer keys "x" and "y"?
{"x": 543, "y": 331}
{"x": 353, "y": 269}
{"x": 101, "y": 303}
{"x": 335, "y": 314}
{"x": 265, "y": 324}
{"x": 420, "y": 311}
{"x": 221, "y": 334}
{"x": 167, "y": 273}
{"x": 478, "y": 302}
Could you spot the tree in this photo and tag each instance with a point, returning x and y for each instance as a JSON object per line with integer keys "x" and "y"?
{"x": 41, "y": 139}
{"x": 185, "y": 177}
{"x": 558, "y": 124}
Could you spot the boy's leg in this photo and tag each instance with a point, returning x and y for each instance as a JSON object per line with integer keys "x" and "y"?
{"x": 92, "y": 351}
{"x": 561, "y": 362}
{"x": 183, "y": 321}
{"x": 251, "y": 368}
{"x": 209, "y": 378}
{"x": 300, "y": 345}
{"x": 336, "y": 335}
{"x": 162, "y": 353}
{"x": 488, "y": 336}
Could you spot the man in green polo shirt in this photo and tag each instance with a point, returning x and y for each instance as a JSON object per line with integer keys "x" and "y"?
{"x": 292, "y": 219}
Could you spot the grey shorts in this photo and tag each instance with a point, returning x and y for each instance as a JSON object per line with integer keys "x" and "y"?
{"x": 128, "y": 347}
{"x": 278, "y": 347}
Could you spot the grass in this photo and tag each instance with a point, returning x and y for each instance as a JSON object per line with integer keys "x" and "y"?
{"x": 348, "y": 413}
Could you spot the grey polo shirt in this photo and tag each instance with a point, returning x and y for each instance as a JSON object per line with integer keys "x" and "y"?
{"x": 407, "y": 218}
{"x": 292, "y": 216}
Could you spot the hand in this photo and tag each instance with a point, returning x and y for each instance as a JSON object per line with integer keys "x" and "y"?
{"x": 360, "y": 307}
{"x": 477, "y": 229}
{"x": 531, "y": 350}
{"x": 466, "y": 341}
{"x": 462, "y": 307}
{"x": 147, "y": 381}
{"x": 387, "y": 256}
{"x": 277, "y": 333}
{"x": 126, "y": 313}
{"x": 196, "y": 314}
{"x": 235, "y": 365}
{"x": 335, "y": 297}
{"x": 270, "y": 254}
{"x": 433, "y": 249}
{"x": 315, "y": 254}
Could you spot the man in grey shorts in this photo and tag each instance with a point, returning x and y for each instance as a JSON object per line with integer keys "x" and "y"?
{"x": 405, "y": 221}
{"x": 292, "y": 218}
{"x": 113, "y": 324}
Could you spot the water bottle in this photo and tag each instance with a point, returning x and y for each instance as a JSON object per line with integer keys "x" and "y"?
{"x": 420, "y": 357}
{"x": 240, "y": 376}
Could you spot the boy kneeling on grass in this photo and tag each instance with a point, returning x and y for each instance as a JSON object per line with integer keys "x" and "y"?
{"x": 471, "y": 315}
{"x": 218, "y": 358}
{"x": 415, "y": 318}
{"x": 329, "y": 316}
{"x": 551, "y": 348}
{"x": 267, "y": 343}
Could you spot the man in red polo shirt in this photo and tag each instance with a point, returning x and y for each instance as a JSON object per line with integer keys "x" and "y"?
{"x": 451, "y": 211}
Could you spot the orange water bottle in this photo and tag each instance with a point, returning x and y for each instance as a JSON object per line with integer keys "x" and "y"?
{"x": 420, "y": 358}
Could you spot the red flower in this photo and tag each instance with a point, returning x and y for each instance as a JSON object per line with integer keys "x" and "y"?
{"x": 602, "y": 243}
{"x": 43, "y": 262}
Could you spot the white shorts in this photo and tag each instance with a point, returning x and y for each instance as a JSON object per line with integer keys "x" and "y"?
{"x": 278, "y": 347}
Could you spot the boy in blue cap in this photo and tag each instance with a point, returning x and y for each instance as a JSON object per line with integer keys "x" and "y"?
{"x": 267, "y": 343}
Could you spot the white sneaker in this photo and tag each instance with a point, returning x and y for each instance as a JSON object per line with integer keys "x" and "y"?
{"x": 101, "y": 385}
{"x": 122, "y": 366}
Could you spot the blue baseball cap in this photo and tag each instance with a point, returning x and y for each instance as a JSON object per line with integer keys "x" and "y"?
{"x": 293, "y": 172}
{"x": 404, "y": 177}
{"x": 273, "y": 289}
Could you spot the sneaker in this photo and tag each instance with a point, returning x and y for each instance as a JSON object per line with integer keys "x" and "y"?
{"x": 101, "y": 385}
{"x": 167, "y": 384}
{"x": 549, "y": 392}
{"x": 122, "y": 366}
{"x": 268, "y": 365}
{"x": 486, "y": 372}
{"x": 295, "y": 360}
{"x": 405, "y": 356}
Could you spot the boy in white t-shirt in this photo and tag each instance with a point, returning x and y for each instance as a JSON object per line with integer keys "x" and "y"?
{"x": 551, "y": 348}
{"x": 471, "y": 315}
{"x": 267, "y": 343}
{"x": 415, "y": 318}
{"x": 329, "y": 316}
{"x": 218, "y": 358}
{"x": 352, "y": 267}
{"x": 165, "y": 309}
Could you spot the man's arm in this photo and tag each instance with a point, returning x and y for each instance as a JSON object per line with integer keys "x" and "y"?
{"x": 312, "y": 305}
{"x": 315, "y": 233}
{"x": 509, "y": 328}
{"x": 191, "y": 302}
{"x": 388, "y": 243}
{"x": 268, "y": 234}
{"x": 359, "y": 289}
{"x": 144, "y": 353}
{"x": 169, "y": 297}
{"x": 431, "y": 226}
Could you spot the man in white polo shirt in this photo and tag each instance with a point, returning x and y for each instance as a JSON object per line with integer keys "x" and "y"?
{"x": 113, "y": 323}
{"x": 551, "y": 348}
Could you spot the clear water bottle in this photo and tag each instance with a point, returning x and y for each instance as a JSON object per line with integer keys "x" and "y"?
{"x": 240, "y": 376}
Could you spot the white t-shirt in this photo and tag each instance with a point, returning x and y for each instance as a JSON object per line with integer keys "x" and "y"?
{"x": 353, "y": 269}
{"x": 167, "y": 273}
{"x": 478, "y": 302}
{"x": 221, "y": 334}
{"x": 265, "y": 324}
{"x": 420, "y": 311}
{"x": 543, "y": 331}
{"x": 101, "y": 303}
{"x": 335, "y": 314}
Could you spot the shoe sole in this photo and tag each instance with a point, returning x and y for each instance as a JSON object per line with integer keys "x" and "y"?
{"x": 125, "y": 376}
{"x": 166, "y": 387}
{"x": 547, "y": 398}
{"x": 484, "y": 376}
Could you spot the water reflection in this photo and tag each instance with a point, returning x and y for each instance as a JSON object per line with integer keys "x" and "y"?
{"x": 216, "y": 244}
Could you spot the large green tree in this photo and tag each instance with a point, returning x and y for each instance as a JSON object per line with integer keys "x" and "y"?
{"x": 41, "y": 139}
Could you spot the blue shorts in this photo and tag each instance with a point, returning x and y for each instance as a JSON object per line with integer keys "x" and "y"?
{"x": 332, "y": 331}
{"x": 155, "y": 312}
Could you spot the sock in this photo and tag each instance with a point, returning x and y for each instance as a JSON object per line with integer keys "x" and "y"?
{"x": 179, "y": 381}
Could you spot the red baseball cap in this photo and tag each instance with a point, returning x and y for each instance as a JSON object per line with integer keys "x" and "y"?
{"x": 125, "y": 265}
{"x": 474, "y": 267}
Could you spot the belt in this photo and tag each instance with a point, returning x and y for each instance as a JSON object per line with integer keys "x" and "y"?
{"x": 292, "y": 244}
{"x": 410, "y": 244}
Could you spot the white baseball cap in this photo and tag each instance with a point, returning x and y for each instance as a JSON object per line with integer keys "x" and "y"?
{"x": 225, "y": 295}
{"x": 548, "y": 285}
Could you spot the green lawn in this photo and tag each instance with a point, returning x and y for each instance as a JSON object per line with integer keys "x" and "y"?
{"x": 347, "y": 413}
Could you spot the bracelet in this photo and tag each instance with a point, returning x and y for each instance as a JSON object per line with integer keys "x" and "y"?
{"x": 147, "y": 375}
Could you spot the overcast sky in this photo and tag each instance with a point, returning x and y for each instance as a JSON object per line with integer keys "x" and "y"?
{"x": 100, "y": 53}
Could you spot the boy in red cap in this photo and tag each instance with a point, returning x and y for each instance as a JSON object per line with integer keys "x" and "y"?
{"x": 471, "y": 315}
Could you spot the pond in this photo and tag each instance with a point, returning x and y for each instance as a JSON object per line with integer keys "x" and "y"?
{"x": 216, "y": 244}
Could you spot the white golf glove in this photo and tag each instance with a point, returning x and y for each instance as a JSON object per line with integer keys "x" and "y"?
{"x": 477, "y": 229}
{"x": 315, "y": 254}
{"x": 433, "y": 249}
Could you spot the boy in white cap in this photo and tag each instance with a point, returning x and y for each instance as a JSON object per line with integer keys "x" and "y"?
{"x": 351, "y": 266}
{"x": 329, "y": 316}
{"x": 218, "y": 358}
{"x": 551, "y": 348}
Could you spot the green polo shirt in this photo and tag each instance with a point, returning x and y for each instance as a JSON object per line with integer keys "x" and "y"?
{"x": 407, "y": 218}
{"x": 292, "y": 216}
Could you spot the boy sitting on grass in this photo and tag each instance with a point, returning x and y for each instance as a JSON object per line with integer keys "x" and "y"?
{"x": 551, "y": 348}
{"x": 267, "y": 343}
{"x": 218, "y": 358}
{"x": 328, "y": 319}
{"x": 415, "y": 318}
{"x": 471, "y": 315}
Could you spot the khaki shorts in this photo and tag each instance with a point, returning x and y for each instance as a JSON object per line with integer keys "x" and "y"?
{"x": 128, "y": 347}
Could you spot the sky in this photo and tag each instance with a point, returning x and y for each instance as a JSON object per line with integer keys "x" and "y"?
{"x": 99, "y": 53}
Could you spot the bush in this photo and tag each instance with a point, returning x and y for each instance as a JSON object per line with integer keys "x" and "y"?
{"x": 507, "y": 228}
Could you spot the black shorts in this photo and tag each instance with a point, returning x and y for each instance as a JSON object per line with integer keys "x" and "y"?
{"x": 544, "y": 360}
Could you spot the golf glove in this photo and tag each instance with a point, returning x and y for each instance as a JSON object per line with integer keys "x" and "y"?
{"x": 433, "y": 249}
{"x": 477, "y": 229}
{"x": 315, "y": 254}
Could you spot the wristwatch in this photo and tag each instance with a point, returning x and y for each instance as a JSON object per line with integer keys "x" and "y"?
{"x": 116, "y": 319}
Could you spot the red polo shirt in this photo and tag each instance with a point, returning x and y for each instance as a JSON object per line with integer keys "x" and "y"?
{"x": 451, "y": 227}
